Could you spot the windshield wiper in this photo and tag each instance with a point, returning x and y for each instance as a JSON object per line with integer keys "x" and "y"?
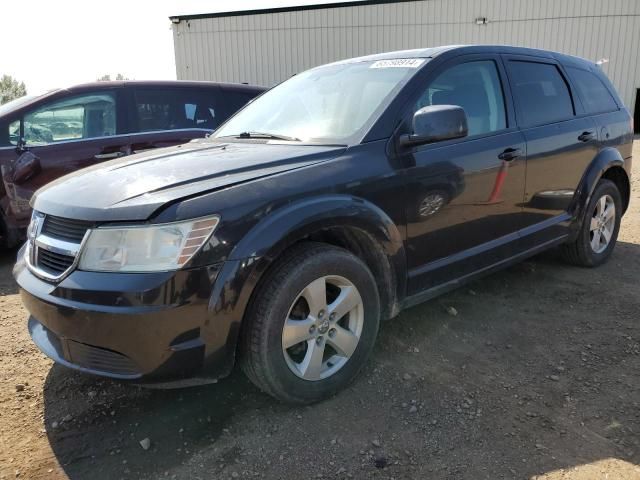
{"x": 273, "y": 136}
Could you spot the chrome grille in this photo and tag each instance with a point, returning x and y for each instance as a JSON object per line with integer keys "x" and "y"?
{"x": 52, "y": 262}
{"x": 53, "y": 245}
{"x": 65, "y": 228}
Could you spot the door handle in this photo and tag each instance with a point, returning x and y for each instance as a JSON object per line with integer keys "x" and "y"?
{"x": 107, "y": 156}
{"x": 509, "y": 154}
{"x": 585, "y": 136}
{"x": 143, "y": 149}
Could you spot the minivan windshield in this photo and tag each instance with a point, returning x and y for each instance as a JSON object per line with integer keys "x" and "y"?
{"x": 333, "y": 104}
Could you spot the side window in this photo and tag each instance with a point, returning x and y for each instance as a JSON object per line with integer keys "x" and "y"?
{"x": 541, "y": 93}
{"x": 14, "y": 132}
{"x": 595, "y": 96}
{"x": 74, "y": 118}
{"x": 9, "y": 133}
{"x": 475, "y": 86}
{"x": 234, "y": 101}
{"x": 166, "y": 109}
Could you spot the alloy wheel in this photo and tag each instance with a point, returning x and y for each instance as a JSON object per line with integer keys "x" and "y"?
{"x": 323, "y": 328}
{"x": 603, "y": 222}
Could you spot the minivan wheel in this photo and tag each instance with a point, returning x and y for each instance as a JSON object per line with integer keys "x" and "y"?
{"x": 312, "y": 324}
{"x": 600, "y": 226}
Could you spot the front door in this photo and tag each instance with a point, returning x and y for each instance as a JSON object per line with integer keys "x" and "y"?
{"x": 58, "y": 138}
{"x": 464, "y": 195}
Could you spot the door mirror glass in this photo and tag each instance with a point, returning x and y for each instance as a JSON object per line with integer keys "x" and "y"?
{"x": 436, "y": 123}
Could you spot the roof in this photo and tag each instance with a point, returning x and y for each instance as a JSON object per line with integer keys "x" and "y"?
{"x": 109, "y": 85}
{"x": 161, "y": 83}
{"x": 433, "y": 52}
{"x": 295, "y": 8}
{"x": 414, "y": 53}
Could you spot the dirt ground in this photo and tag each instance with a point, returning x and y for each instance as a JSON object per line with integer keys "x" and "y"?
{"x": 537, "y": 376}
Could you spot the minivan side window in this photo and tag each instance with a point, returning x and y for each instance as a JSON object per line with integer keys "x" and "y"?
{"x": 476, "y": 87}
{"x": 166, "y": 109}
{"x": 541, "y": 93}
{"x": 74, "y": 118}
{"x": 595, "y": 96}
{"x": 9, "y": 133}
{"x": 234, "y": 101}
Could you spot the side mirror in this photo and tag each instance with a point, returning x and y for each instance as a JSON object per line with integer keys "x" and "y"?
{"x": 436, "y": 123}
{"x": 26, "y": 166}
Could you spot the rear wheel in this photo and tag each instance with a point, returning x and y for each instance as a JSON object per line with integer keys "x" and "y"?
{"x": 312, "y": 324}
{"x": 600, "y": 226}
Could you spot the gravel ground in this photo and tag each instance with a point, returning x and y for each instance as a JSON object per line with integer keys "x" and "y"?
{"x": 535, "y": 376}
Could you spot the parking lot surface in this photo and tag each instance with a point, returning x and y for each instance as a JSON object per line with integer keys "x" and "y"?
{"x": 532, "y": 372}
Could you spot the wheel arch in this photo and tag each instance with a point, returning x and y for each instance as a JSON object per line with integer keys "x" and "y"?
{"x": 345, "y": 221}
{"x": 610, "y": 165}
{"x": 341, "y": 220}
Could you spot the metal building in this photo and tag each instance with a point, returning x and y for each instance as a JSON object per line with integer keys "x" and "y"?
{"x": 266, "y": 46}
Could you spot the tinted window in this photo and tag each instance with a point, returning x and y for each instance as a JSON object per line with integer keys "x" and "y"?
{"x": 232, "y": 101}
{"x": 9, "y": 133}
{"x": 595, "y": 96}
{"x": 475, "y": 86}
{"x": 74, "y": 118}
{"x": 541, "y": 93}
{"x": 171, "y": 109}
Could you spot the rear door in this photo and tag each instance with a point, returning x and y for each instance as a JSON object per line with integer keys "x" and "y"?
{"x": 609, "y": 114}
{"x": 59, "y": 137}
{"x": 562, "y": 140}
{"x": 166, "y": 116}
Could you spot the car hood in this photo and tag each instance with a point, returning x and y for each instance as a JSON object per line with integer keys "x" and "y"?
{"x": 133, "y": 188}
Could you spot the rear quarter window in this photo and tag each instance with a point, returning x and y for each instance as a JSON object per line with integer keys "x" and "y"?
{"x": 595, "y": 96}
{"x": 541, "y": 93}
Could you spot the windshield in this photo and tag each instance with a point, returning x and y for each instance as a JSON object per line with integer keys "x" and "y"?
{"x": 334, "y": 104}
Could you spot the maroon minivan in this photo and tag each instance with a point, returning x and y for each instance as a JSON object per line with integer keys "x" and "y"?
{"x": 45, "y": 137}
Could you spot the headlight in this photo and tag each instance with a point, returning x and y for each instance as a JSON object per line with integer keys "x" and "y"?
{"x": 145, "y": 248}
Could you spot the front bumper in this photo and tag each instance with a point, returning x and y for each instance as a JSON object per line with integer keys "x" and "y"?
{"x": 148, "y": 327}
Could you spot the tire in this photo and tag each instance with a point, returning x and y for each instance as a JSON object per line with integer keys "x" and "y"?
{"x": 280, "y": 314}
{"x": 582, "y": 251}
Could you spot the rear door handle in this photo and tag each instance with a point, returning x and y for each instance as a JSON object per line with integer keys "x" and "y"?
{"x": 509, "y": 154}
{"x": 107, "y": 156}
{"x": 586, "y": 136}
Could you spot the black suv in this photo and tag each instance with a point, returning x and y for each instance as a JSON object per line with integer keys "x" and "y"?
{"x": 331, "y": 202}
{"x": 47, "y": 136}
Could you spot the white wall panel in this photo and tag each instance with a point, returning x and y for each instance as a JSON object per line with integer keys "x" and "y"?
{"x": 267, "y": 48}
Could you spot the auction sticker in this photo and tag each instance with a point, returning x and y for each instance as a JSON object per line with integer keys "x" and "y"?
{"x": 398, "y": 63}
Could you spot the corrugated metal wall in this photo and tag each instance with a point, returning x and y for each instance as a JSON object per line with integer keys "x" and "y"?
{"x": 267, "y": 48}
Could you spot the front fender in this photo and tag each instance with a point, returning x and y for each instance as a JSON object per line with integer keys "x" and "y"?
{"x": 298, "y": 219}
{"x": 270, "y": 237}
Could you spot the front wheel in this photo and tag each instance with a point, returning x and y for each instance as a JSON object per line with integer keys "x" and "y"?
{"x": 312, "y": 324}
{"x": 600, "y": 226}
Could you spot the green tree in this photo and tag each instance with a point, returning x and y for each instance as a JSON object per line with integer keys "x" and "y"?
{"x": 10, "y": 89}
{"x": 107, "y": 78}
